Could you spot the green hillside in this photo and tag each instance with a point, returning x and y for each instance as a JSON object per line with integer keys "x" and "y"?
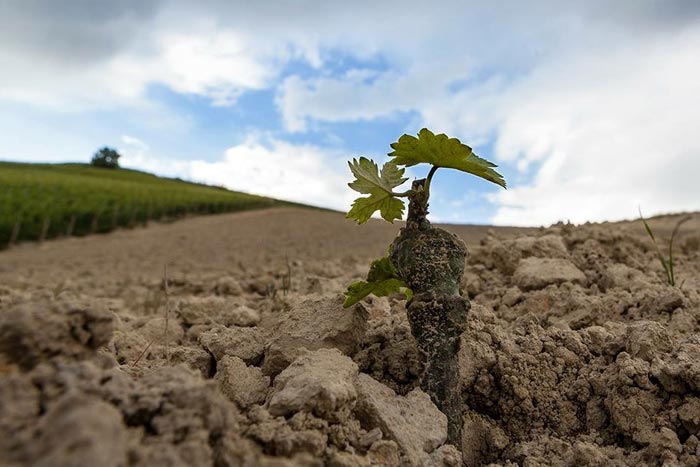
{"x": 39, "y": 201}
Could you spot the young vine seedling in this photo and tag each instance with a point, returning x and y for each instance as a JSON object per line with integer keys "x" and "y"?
{"x": 425, "y": 263}
{"x": 438, "y": 151}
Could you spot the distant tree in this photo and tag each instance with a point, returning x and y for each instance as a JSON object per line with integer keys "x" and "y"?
{"x": 106, "y": 157}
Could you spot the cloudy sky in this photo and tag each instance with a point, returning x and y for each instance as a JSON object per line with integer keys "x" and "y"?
{"x": 590, "y": 108}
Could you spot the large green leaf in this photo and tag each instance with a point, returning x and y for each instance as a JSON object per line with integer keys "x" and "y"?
{"x": 441, "y": 151}
{"x": 382, "y": 280}
{"x": 379, "y": 187}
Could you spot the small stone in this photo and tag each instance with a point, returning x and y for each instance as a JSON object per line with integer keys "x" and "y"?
{"x": 376, "y": 307}
{"x": 245, "y": 343}
{"x": 198, "y": 310}
{"x": 384, "y": 453}
{"x": 471, "y": 283}
{"x": 474, "y": 357}
{"x": 239, "y": 316}
{"x": 228, "y": 286}
{"x": 46, "y": 329}
{"x": 537, "y": 273}
{"x": 547, "y": 245}
{"x": 512, "y": 296}
{"x": 155, "y": 330}
{"x": 194, "y": 357}
{"x": 81, "y": 431}
{"x": 682, "y": 323}
{"x": 242, "y": 384}
{"x": 625, "y": 277}
{"x": 646, "y": 339}
{"x": 371, "y": 437}
{"x": 597, "y": 339}
{"x": 413, "y": 421}
{"x": 19, "y": 408}
{"x": 665, "y": 441}
{"x": 320, "y": 382}
{"x": 689, "y": 414}
{"x": 228, "y": 311}
{"x": 345, "y": 459}
{"x": 680, "y": 371}
{"x": 302, "y": 433}
{"x": 314, "y": 284}
{"x": 445, "y": 456}
{"x": 314, "y": 324}
{"x": 482, "y": 439}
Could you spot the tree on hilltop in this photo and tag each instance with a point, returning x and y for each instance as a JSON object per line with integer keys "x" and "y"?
{"x": 106, "y": 157}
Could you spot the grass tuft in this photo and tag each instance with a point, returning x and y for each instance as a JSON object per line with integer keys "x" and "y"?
{"x": 667, "y": 261}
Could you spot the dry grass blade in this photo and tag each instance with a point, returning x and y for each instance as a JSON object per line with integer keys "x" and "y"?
{"x": 166, "y": 333}
{"x": 142, "y": 354}
{"x": 670, "y": 247}
{"x": 287, "y": 279}
{"x": 667, "y": 264}
{"x": 662, "y": 260}
{"x": 167, "y": 313}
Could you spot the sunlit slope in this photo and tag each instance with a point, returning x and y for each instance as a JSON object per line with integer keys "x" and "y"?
{"x": 39, "y": 201}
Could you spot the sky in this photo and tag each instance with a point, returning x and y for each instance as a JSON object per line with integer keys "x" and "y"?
{"x": 590, "y": 108}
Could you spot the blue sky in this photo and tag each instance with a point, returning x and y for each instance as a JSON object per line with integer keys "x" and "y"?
{"x": 589, "y": 108}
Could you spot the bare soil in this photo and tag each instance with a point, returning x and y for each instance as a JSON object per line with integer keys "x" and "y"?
{"x": 577, "y": 352}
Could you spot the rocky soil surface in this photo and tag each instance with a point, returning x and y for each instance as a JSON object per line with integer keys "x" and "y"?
{"x": 577, "y": 352}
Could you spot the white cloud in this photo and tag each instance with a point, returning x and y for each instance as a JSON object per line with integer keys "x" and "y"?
{"x": 605, "y": 129}
{"x": 89, "y": 56}
{"x": 135, "y": 143}
{"x": 302, "y": 173}
{"x": 361, "y": 94}
{"x": 217, "y": 65}
{"x": 195, "y": 56}
{"x": 265, "y": 166}
{"x": 610, "y": 134}
{"x": 136, "y": 154}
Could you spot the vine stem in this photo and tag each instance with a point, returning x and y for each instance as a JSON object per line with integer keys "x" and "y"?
{"x": 408, "y": 193}
{"x": 428, "y": 179}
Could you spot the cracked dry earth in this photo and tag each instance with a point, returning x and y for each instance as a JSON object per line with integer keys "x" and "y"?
{"x": 576, "y": 351}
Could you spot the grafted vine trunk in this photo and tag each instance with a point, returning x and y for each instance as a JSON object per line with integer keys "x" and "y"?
{"x": 431, "y": 262}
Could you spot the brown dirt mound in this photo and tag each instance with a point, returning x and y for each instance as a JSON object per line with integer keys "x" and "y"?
{"x": 576, "y": 351}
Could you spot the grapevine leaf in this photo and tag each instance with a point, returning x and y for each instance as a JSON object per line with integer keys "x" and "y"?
{"x": 379, "y": 186}
{"x": 359, "y": 290}
{"x": 368, "y": 178}
{"x": 382, "y": 280}
{"x": 389, "y": 207}
{"x": 441, "y": 151}
{"x": 382, "y": 269}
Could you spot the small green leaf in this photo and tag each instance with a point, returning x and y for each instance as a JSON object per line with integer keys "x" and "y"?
{"x": 379, "y": 187}
{"x": 382, "y": 280}
{"x": 389, "y": 207}
{"x": 441, "y": 151}
{"x": 359, "y": 290}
